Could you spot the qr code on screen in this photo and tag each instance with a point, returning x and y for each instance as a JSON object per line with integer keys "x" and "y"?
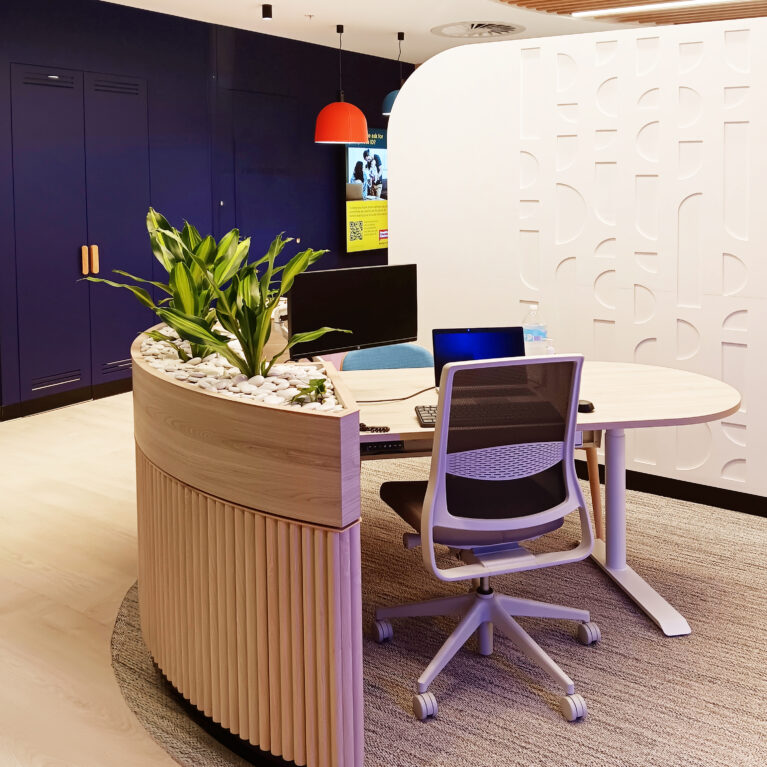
{"x": 355, "y": 230}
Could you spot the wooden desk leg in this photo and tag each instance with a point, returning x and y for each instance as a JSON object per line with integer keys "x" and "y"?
{"x": 610, "y": 555}
{"x": 592, "y": 461}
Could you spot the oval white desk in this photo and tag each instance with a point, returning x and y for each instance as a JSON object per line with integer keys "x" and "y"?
{"x": 625, "y": 396}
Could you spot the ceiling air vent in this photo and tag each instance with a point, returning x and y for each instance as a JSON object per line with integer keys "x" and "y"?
{"x": 478, "y": 30}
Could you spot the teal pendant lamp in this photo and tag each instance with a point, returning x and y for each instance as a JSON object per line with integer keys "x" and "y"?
{"x": 388, "y": 102}
{"x": 391, "y": 96}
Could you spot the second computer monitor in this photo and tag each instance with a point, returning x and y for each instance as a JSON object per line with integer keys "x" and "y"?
{"x": 465, "y": 344}
{"x": 378, "y": 304}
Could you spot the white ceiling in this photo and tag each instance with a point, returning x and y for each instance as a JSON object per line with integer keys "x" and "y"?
{"x": 371, "y": 26}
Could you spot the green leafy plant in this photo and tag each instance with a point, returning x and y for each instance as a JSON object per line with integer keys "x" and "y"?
{"x": 210, "y": 283}
{"x": 191, "y": 262}
{"x": 316, "y": 391}
{"x": 244, "y": 309}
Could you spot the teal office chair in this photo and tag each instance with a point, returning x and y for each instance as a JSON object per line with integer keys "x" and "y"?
{"x": 387, "y": 357}
{"x": 502, "y": 472}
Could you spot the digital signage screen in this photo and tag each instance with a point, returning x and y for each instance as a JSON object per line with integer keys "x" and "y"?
{"x": 367, "y": 181}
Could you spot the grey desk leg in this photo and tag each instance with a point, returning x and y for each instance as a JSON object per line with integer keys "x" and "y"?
{"x": 610, "y": 554}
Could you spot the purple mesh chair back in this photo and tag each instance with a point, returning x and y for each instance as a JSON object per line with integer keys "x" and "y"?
{"x": 502, "y": 465}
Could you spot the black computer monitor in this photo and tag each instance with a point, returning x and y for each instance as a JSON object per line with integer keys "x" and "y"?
{"x": 466, "y": 344}
{"x": 379, "y": 304}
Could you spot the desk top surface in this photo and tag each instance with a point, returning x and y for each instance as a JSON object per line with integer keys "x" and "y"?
{"x": 625, "y": 395}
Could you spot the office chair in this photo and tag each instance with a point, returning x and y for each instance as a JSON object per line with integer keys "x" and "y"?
{"x": 385, "y": 357}
{"x": 502, "y": 472}
{"x": 414, "y": 356}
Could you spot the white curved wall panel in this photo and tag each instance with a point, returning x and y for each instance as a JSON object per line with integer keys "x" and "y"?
{"x": 619, "y": 179}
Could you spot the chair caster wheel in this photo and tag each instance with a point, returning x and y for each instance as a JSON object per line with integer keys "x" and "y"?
{"x": 382, "y": 630}
{"x": 588, "y": 633}
{"x": 572, "y": 707}
{"x": 425, "y": 705}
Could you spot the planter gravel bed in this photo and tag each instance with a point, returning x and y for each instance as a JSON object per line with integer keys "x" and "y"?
{"x": 214, "y": 373}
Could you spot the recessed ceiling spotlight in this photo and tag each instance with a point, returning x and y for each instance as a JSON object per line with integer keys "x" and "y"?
{"x": 477, "y": 30}
{"x": 266, "y": 12}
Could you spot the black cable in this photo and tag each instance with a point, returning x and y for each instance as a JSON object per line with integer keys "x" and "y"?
{"x": 340, "y": 71}
{"x": 393, "y": 399}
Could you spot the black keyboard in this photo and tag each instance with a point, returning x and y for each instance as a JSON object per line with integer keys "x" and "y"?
{"x": 520, "y": 413}
{"x": 427, "y": 415}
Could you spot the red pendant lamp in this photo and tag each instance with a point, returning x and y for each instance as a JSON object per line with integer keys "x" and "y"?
{"x": 341, "y": 122}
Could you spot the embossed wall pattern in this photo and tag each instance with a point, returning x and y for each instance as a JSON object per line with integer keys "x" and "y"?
{"x": 628, "y": 197}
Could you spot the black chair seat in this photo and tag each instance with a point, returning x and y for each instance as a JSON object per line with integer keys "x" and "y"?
{"x": 406, "y": 498}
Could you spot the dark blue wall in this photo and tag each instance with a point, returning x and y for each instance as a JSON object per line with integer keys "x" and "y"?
{"x": 231, "y": 119}
{"x": 268, "y": 168}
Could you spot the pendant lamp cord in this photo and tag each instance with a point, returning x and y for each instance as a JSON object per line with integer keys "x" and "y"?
{"x": 340, "y": 71}
{"x": 399, "y": 59}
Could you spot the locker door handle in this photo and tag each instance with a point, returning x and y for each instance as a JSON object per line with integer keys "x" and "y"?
{"x": 94, "y": 259}
{"x": 84, "y": 260}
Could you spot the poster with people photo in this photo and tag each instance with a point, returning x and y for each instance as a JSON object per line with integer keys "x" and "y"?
{"x": 367, "y": 215}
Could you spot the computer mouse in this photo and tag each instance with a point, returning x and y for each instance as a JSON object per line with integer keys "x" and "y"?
{"x": 585, "y": 406}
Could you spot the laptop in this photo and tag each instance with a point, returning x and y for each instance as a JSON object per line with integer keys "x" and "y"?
{"x": 354, "y": 191}
{"x": 466, "y": 344}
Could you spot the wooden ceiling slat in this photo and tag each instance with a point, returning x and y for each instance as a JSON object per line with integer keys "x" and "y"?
{"x": 677, "y": 18}
{"x": 575, "y": 5}
{"x": 740, "y": 10}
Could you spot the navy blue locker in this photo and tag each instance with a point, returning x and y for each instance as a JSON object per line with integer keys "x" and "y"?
{"x": 117, "y": 174}
{"x": 51, "y": 227}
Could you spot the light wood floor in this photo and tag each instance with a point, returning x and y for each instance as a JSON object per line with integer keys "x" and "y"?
{"x": 67, "y": 557}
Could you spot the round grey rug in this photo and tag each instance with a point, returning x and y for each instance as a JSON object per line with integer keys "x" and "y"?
{"x": 653, "y": 701}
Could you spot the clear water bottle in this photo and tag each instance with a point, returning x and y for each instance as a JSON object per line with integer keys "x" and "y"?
{"x": 534, "y": 329}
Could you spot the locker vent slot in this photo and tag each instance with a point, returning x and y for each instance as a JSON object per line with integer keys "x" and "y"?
{"x": 50, "y": 81}
{"x": 59, "y": 379}
{"x": 117, "y": 86}
{"x": 115, "y": 367}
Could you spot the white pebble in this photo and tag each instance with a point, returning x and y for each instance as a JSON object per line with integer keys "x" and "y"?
{"x": 194, "y": 361}
{"x": 246, "y": 388}
{"x": 288, "y": 393}
{"x": 273, "y": 399}
{"x": 256, "y": 380}
{"x": 181, "y": 375}
{"x": 281, "y": 383}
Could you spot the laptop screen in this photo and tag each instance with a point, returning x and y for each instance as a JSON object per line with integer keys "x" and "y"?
{"x": 465, "y": 344}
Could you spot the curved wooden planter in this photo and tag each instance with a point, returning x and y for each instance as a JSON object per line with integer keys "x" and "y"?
{"x": 249, "y": 572}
